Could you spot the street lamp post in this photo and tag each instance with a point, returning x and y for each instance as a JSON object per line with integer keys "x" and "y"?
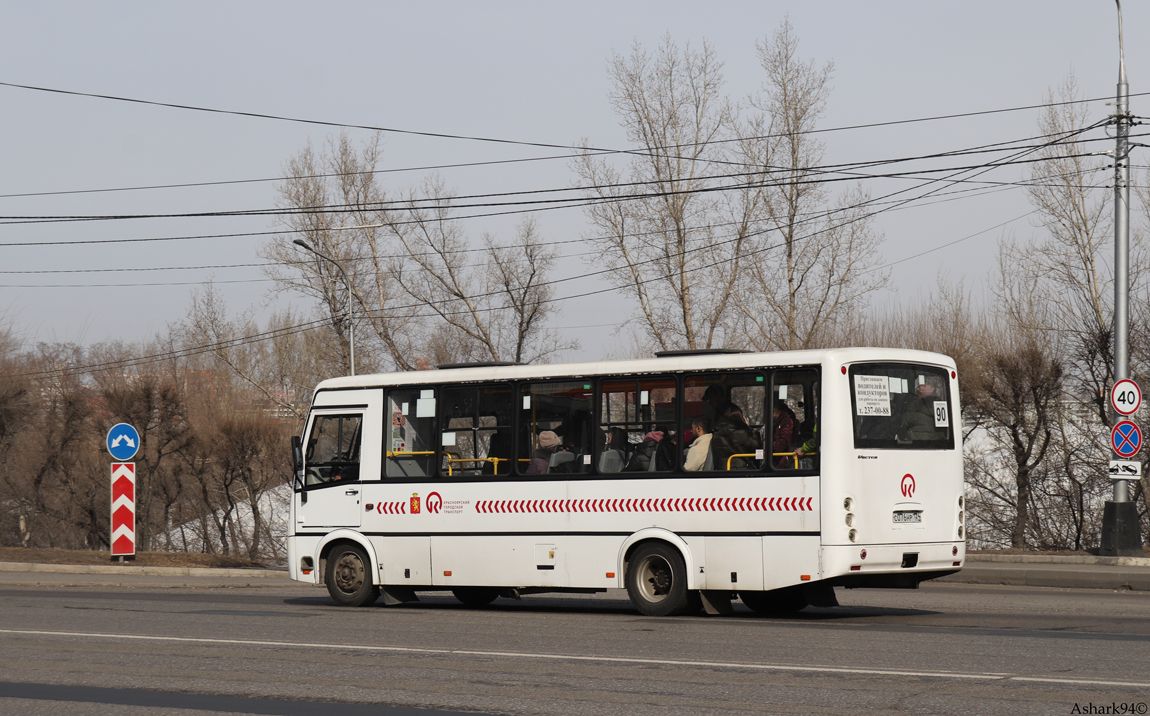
{"x": 1120, "y": 533}
{"x": 350, "y": 299}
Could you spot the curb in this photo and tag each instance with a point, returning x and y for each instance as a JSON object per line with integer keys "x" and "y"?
{"x": 124, "y": 570}
{"x": 1062, "y": 575}
{"x": 1066, "y": 572}
{"x": 1059, "y": 559}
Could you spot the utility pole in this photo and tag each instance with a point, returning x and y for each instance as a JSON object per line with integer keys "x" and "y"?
{"x": 350, "y": 300}
{"x": 1120, "y": 533}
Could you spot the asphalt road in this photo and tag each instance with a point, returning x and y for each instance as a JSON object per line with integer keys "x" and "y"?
{"x": 944, "y": 649}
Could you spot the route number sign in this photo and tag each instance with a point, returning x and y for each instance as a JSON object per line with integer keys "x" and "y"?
{"x": 1126, "y": 397}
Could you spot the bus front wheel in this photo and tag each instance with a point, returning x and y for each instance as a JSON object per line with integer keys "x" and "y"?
{"x": 349, "y": 577}
{"x": 657, "y": 582}
{"x": 776, "y": 601}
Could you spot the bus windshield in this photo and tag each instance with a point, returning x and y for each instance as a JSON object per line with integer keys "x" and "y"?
{"x": 901, "y": 406}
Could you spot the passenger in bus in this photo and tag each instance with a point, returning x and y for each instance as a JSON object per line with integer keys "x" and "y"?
{"x": 732, "y": 436}
{"x": 700, "y": 447}
{"x": 918, "y": 416}
{"x": 714, "y": 399}
{"x": 651, "y": 449}
{"x": 810, "y": 447}
{"x": 783, "y": 437}
{"x": 546, "y": 444}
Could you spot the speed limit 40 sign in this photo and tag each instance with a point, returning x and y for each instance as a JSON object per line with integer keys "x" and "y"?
{"x": 1126, "y": 397}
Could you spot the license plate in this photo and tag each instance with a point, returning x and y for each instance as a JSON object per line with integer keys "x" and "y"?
{"x": 903, "y": 517}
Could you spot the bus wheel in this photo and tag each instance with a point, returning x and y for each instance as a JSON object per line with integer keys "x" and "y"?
{"x": 777, "y": 601}
{"x": 475, "y": 596}
{"x": 349, "y": 577}
{"x": 657, "y": 582}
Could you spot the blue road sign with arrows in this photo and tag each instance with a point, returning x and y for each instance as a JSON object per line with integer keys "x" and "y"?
{"x": 123, "y": 441}
{"x": 1126, "y": 438}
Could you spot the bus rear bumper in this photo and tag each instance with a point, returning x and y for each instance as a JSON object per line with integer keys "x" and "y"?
{"x": 897, "y": 566}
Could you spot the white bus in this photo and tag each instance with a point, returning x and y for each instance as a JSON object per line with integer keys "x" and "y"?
{"x": 822, "y": 468}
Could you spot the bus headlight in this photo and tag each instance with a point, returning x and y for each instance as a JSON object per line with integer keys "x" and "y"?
{"x": 850, "y": 519}
{"x": 848, "y": 504}
{"x": 960, "y": 531}
{"x": 853, "y": 534}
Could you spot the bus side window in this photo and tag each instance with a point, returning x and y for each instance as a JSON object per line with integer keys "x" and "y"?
{"x": 734, "y": 405}
{"x": 475, "y": 431}
{"x": 333, "y": 450}
{"x": 555, "y": 428}
{"x": 794, "y": 420}
{"x": 638, "y": 426}
{"x": 409, "y": 443}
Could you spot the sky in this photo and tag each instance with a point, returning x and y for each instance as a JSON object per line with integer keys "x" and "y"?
{"x": 523, "y": 71}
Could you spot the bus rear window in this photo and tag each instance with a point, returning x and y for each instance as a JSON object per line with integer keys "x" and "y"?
{"x": 901, "y": 406}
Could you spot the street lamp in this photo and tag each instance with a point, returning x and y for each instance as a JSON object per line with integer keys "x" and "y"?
{"x": 350, "y": 298}
{"x": 1120, "y": 533}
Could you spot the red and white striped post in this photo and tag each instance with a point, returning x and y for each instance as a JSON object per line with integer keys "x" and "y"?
{"x": 123, "y": 509}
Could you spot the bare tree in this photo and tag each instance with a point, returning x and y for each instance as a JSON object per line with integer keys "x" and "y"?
{"x": 156, "y": 408}
{"x": 339, "y": 208}
{"x": 417, "y": 283}
{"x": 1017, "y": 391}
{"x": 721, "y": 225}
{"x": 818, "y": 262}
{"x": 487, "y": 307}
{"x": 659, "y": 228}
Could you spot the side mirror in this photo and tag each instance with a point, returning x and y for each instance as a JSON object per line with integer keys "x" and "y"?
{"x": 297, "y": 460}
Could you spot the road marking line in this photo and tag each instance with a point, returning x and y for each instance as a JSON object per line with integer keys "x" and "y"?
{"x": 568, "y": 657}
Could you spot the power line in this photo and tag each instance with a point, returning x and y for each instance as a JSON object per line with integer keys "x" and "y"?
{"x": 357, "y": 259}
{"x": 313, "y": 324}
{"x": 540, "y": 204}
{"x": 547, "y": 145}
{"x": 343, "y": 174}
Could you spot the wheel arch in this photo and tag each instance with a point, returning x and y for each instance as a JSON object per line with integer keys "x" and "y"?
{"x": 336, "y": 538}
{"x": 658, "y": 534}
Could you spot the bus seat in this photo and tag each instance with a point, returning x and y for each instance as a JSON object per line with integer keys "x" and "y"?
{"x": 612, "y": 461}
{"x": 560, "y": 458}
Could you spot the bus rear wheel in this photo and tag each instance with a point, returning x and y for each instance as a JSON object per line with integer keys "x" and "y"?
{"x": 777, "y": 601}
{"x": 657, "y": 582}
{"x": 349, "y": 577}
{"x": 475, "y": 596}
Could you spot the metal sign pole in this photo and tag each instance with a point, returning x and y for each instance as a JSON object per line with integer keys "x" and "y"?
{"x": 1120, "y": 532}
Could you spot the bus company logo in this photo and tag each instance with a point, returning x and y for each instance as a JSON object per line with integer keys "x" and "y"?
{"x": 434, "y": 503}
{"x": 908, "y": 485}
{"x": 415, "y": 503}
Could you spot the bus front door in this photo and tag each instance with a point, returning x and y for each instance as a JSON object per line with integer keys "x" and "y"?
{"x": 332, "y": 505}
{"x": 331, "y": 494}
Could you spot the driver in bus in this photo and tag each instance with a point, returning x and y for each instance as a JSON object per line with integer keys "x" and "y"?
{"x": 918, "y": 416}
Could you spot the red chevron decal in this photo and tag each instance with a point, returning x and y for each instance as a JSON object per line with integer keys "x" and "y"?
{"x": 123, "y": 516}
{"x": 662, "y": 504}
{"x": 123, "y": 486}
